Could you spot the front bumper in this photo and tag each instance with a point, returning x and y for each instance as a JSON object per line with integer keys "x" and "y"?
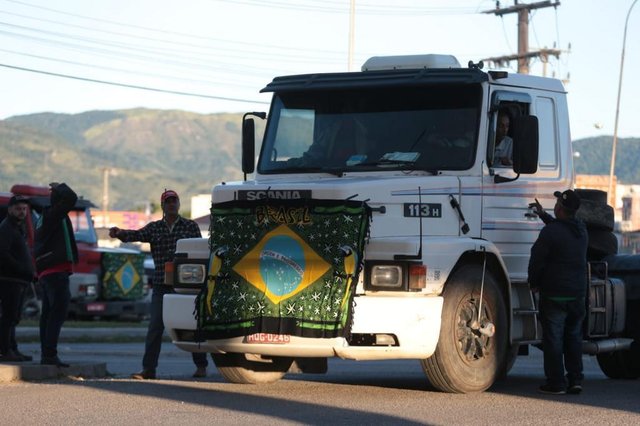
{"x": 414, "y": 320}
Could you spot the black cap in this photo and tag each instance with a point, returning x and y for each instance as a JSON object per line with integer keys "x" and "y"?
{"x": 568, "y": 199}
{"x": 16, "y": 199}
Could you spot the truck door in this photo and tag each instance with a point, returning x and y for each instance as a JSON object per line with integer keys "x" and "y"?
{"x": 507, "y": 219}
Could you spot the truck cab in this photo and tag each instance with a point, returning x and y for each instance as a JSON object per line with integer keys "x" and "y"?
{"x": 445, "y": 231}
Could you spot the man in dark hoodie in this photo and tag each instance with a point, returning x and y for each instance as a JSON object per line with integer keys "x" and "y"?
{"x": 558, "y": 269}
{"x": 55, "y": 252}
{"x": 16, "y": 272}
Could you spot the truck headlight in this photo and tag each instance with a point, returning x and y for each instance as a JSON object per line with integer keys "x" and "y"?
{"x": 91, "y": 291}
{"x": 395, "y": 276}
{"x": 386, "y": 276}
{"x": 87, "y": 290}
{"x": 189, "y": 273}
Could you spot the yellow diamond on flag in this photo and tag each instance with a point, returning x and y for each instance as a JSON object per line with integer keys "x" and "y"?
{"x": 281, "y": 265}
{"x": 127, "y": 277}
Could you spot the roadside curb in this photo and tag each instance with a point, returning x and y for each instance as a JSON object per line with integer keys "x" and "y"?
{"x": 11, "y": 372}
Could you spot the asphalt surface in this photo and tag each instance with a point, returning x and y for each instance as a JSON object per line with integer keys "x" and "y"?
{"x": 89, "y": 366}
{"x": 393, "y": 392}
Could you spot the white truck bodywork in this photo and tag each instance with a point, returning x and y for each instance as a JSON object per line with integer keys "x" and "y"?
{"x": 501, "y": 228}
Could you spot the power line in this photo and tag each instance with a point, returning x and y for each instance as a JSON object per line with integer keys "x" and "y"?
{"x": 155, "y": 30}
{"x": 364, "y": 9}
{"x": 524, "y": 54}
{"x": 149, "y": 53}
{"x": 132, "y": 86}
{"x": 120, "y": 70}
{"x": 206, "y": 47}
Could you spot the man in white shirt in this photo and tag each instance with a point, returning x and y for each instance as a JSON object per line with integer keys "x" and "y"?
{"x": 503, "y": 154}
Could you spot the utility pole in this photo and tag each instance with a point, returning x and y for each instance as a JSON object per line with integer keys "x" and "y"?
{"x": 524, "y": 55}
{"x": 105, "y": 188}
{"x": 612, "y": 193}
{"x": 106, "y": 171}
{"x": 352, "y": 33}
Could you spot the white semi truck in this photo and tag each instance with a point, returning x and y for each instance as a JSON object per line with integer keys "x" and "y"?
{"x": 439, "y": 259}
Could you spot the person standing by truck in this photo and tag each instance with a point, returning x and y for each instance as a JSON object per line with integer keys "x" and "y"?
{"x": 55, "y": 252}
{"x": 16, "y": 272}
{"x": 162, "y": 235}
{"x": 558, "y": 269}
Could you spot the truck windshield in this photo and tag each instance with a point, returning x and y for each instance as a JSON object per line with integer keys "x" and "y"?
{"x": 416, "y": 128}
{"x": 83, "y": 228}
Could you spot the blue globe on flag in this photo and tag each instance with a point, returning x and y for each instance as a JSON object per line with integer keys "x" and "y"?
{"x": 282, "y": 264}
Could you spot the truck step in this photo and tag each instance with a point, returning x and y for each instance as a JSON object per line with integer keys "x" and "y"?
{"x": 525, "y": 311}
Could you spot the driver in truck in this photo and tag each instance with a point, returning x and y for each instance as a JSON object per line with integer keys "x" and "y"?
{"x": 503, "y": 155}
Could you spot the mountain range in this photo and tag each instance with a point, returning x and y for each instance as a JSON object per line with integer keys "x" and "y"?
{"x": 146, "y": 151}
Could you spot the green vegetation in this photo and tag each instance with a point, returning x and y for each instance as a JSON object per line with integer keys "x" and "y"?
{"x": 149, "y": 150}
{"x": 595, "y": 157}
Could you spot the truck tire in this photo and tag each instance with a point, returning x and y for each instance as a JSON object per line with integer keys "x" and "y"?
{"x": 619, "y": 365}
{"x": 466, "y": 360}
{"x": 236, "y": 368}
{"x": 601, "y": 243}
{"x": 596, "y": 215}
{"x": 595, "y": 195}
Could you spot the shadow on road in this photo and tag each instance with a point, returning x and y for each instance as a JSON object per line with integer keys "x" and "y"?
{"x": 282, "y": 409}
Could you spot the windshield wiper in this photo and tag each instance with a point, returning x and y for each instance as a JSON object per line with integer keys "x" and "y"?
{"x": 332, "y": 171}
{"x": 395, "y": 162}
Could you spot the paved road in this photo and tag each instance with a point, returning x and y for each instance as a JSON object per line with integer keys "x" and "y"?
{"x": 390, "y": 392}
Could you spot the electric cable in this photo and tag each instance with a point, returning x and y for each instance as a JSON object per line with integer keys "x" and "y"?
{"x": 133, "y": 86}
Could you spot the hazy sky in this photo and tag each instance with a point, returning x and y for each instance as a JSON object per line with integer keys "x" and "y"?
{"x": 233, "y": 48}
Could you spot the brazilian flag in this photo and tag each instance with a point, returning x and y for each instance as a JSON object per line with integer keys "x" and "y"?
{"x": 286, "y": 267}
{"x": 122, "y": 275}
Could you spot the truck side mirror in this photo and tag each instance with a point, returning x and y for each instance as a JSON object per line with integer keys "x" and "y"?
{"x": 249, "y": 141}
{"x": 248, "y": 145}
{"x": 525, "y": 144}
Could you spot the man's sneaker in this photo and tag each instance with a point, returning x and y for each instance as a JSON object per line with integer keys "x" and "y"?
{"x": 574, "y": 389}
{"x": 552, "y": 390}
{"x": 200, "y": 372}
{"x": 144, "y": 375}
{"x": 53, "y": 360}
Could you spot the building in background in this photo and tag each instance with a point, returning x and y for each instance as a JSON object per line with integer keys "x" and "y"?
{"x": 200, "y": 206}
{"x": 600, "y": 182}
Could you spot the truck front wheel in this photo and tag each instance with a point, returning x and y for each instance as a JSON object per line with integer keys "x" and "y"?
{"x": 251, "y": 369}
{"x": 471, "y": 350}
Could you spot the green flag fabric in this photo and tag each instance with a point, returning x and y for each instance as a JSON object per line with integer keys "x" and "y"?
{"x": 122, "y": 275}
{"x": 283, "y": 267}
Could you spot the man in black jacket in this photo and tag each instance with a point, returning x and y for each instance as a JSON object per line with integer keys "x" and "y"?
{"x": 55, "y": 253}
{"x": 16, "y": 272}
{"x": 558, "y": 269}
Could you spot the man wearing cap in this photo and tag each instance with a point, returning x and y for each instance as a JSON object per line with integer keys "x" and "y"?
{"x": 16, "y": 272}
{"x": 55, "y": 251}
{"x": 558, "y": 269}
{"x": 162, "y": 235}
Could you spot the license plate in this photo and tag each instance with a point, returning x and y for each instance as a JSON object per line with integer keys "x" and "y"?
{"x": 268, "y": 338}
{"x": 96, "y": 307}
